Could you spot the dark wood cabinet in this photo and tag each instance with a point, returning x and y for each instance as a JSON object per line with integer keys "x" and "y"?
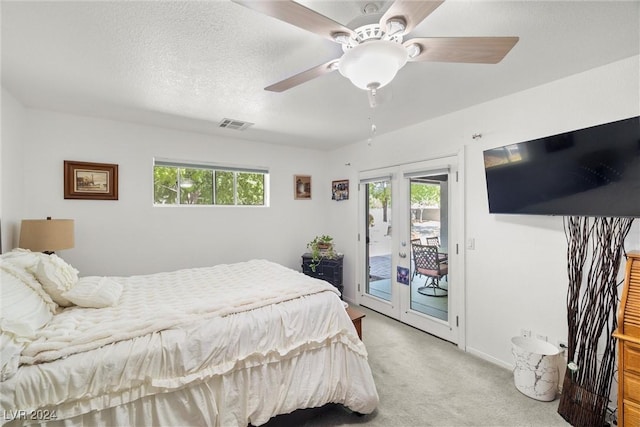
{"x": 329, "y": 269}
{"x": 628, "y": 334}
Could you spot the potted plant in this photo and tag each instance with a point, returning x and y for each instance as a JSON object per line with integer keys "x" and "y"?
{"x": 320, "y": 247}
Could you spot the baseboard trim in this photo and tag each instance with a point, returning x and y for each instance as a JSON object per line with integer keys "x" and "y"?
{"x": 491, "y": 359}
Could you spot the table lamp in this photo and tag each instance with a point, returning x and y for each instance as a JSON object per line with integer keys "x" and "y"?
{"x": 46, "y": 235}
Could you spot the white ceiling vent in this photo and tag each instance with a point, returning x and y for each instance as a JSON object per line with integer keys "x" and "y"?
{"x": 234, "y": 124}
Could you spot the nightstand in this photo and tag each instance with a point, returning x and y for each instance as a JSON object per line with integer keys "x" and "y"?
{"x": 329, "y": 269}
{"x": 356, "y": 317}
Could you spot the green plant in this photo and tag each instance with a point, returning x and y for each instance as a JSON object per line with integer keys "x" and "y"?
{"x": 320, "y": 247}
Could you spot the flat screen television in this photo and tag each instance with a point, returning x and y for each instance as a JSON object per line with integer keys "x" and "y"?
{"x": 587, "y": 172}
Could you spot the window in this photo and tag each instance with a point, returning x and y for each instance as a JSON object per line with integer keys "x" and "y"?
{"x": 176, "y": 183}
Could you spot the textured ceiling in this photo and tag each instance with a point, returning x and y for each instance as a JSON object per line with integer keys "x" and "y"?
{"x": 189, "y": 64}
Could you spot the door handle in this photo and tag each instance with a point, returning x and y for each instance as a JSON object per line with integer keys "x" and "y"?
{"x": 402, "y": 254}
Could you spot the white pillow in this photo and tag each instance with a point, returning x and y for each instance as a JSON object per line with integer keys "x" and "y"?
{"x": 22, "y": 258}
{"x": 23, "y": 312}
{"x": 56, "y": 277}
{"x": 94, "y": 292}
{"x": 26, "y": 277}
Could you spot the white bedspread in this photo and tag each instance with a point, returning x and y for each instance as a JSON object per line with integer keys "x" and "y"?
{"x": 248, "y": 363}
{"x": 155, "y": 302}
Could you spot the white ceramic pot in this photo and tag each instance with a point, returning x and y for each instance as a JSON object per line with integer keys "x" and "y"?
{"x": 536, "y": 371}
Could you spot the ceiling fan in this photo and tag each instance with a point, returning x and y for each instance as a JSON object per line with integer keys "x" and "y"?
{"x": 374, "y": 53}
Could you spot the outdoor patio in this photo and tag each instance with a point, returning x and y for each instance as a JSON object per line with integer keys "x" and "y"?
{"x": 380, "y": 266}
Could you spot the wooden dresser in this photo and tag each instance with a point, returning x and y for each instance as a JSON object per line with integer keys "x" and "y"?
{"x": 628, "y": 334}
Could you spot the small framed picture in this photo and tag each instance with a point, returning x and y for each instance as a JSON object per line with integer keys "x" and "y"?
{"x": 340, "y": 190}
{"x": 302, "y": 187}
{"x": 403, "y": 275}
{"x": 96, "y": 181}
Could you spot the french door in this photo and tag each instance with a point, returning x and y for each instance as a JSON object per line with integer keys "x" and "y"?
{"x": 410, "y": 260}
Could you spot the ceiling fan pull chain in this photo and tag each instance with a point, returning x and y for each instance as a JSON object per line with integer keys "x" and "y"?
{"x": 371, "y": 93}
{"x": 373, "y": 131}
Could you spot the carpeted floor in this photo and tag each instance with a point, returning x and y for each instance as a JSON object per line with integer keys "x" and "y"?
{"x": 424, "y": 381}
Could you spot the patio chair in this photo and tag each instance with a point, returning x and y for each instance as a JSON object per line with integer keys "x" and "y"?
{"x": 435, "y": 241}
{"x": 432, "y": 241}
{"x": 427, "y": 263}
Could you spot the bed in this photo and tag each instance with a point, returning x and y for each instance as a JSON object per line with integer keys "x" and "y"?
{"x": 227, "y": 345}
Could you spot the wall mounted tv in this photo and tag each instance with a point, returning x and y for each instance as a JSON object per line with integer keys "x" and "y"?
{"x": 587, "y": 172}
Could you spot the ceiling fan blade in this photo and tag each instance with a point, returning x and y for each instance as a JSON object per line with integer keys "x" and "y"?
{"x": 474, "y": 50}
{"x": 298, "y": 15}
{"x": 303, "y": 77}
{"x": 411, "y": 11}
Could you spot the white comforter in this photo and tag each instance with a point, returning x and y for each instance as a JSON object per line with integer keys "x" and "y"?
{"x": 155, "y": 302}
{"x": 210, "y": 339}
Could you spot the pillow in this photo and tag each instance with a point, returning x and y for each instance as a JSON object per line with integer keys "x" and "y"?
{"x": 56, "y": 277}
{"x": 28, "y": 279}
{"x": 94, "y": 292}
{"x": 23, "y": 312}
{"x": 22, "y": 258}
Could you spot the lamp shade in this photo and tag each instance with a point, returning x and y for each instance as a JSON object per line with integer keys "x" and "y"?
{"x": 373, "y": 64}
{"x": 46, "y": 235}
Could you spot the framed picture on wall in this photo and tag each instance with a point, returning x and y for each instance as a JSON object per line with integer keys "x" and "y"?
{"x": 96, "y": 181}
{"x": 302, "y": 187}
{"x": 340, "y": 190}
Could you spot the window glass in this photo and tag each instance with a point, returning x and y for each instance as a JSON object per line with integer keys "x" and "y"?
{"x": 250, "y": 188}
{"x": 185, "y": 184}
{"x": 164, "y": 185}
{"x": 196, "y": 186}
{"x": 224, "y": 188}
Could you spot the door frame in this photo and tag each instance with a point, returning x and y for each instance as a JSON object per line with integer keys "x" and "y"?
{"x": 399, "y": 307}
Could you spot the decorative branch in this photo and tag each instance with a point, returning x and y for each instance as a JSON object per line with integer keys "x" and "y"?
{"x": 592, "y": 304}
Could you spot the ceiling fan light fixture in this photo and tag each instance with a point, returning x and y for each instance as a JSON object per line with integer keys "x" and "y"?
{"x": 373, "y": 63}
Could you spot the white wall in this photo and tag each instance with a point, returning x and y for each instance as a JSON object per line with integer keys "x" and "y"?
{"x": 13, "y": 124}
{"x": 516, "y": 276}
{"x": 130, "y": 235}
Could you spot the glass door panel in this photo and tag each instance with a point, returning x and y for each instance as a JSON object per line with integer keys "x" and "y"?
{"x": 432, "y": 299}
{"x": 429, "y": 246}
{"x": 379, "y": 242}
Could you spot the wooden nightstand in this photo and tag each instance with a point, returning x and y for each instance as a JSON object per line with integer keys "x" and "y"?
{"x": 356, "y": 317}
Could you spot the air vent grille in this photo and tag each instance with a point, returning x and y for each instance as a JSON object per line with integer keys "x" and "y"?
{"x": 234, "y": 124}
